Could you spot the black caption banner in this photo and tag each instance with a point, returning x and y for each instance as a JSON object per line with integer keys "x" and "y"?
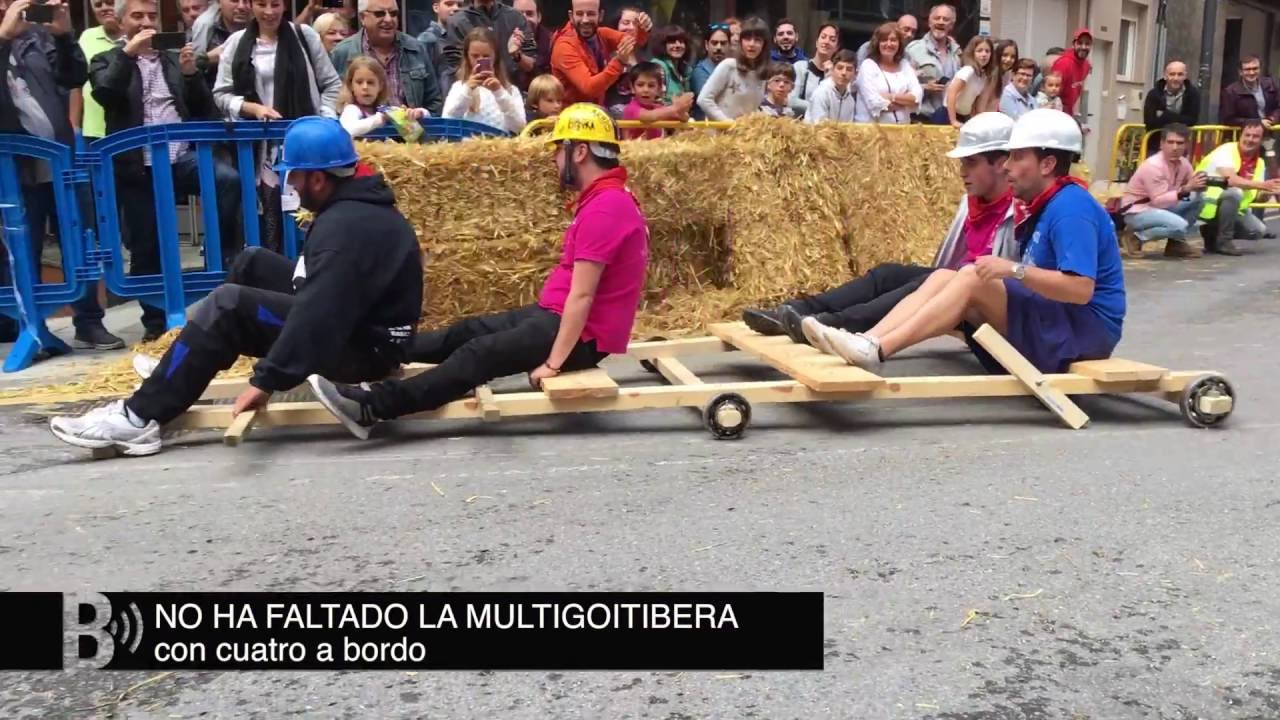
{"x": 460, "y": 631}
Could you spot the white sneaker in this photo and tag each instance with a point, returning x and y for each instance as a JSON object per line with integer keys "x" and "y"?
{"x": 144, "y": 365}
{"x": 106, "y": 427}
{"x": 856, "y": 349}
{"x": 816, "y": 333}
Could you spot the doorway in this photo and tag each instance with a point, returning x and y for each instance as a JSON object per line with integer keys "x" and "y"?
{"x": 1231, "y": 51}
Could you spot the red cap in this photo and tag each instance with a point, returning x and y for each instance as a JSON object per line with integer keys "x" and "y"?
{"x": 1081, "y": 31}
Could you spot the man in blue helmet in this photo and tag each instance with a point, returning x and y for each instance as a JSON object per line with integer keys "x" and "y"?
{"x": 346, "y": 309}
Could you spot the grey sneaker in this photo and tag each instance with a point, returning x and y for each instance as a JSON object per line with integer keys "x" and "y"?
{"x": 816, "y": 333}
{"x": 348, "y": 403}
{"x": 856, "y": 349}
{"x": 95, "y": 337}
{"x": 108, "y": 427}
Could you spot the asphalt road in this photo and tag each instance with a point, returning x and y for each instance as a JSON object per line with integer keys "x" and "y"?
{"x": 1127, "y": 570}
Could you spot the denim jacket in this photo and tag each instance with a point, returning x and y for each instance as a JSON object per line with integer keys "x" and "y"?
{"x": 418, "y": 74}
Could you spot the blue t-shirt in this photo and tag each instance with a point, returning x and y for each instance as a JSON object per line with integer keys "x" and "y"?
{"x": 1074, "y": 234}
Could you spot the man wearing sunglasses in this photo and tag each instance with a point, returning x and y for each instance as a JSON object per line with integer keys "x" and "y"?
{"x": 411, "y": 76}
{"x": 516, "y": 43}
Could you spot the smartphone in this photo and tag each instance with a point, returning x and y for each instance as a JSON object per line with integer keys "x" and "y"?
{"x": 484, "y": 65}
{"x": 332, "y": 4}
{"x": 168, "y": 41}
{"x": 943, "y": 80}
{"x": 39, "y": 13}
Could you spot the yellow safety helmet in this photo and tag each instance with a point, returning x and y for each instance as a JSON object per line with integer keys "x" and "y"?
{"x": 585, "y": 122}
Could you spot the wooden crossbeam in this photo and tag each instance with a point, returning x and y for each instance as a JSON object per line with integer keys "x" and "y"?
{"x": 238, "y": 428}
{"x": 489, "y": 410}
{"x": 593, "y": 383}
{"x": 814, "y": 368}
{"x": 675, "y": 371}
{"x": 1021, "y": 368}
{"x": 1117, "y": 370}
{"x": 676, "y": 348}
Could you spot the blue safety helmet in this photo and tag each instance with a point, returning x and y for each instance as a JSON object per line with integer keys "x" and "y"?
{"x": 316, "y": 143}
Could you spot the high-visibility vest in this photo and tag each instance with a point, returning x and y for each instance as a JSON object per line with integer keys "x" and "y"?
{"x": 1227, "y": 155}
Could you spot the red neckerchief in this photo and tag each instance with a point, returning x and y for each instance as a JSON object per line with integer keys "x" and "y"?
{"x": 980, "y": 211}
{"x": 615, "y": 179}
{"x": 1249, "y": 164}
{"x": 363, "y": 170}
{"x": 1030, "y": 211}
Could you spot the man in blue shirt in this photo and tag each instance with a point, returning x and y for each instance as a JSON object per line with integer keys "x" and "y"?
{"x": 1064, "y": 302}
{"x": 717, "y": 45}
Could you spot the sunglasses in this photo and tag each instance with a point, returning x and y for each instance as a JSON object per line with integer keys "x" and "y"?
{"x": 717, "y": 26}
{"x": 379, "y": 14}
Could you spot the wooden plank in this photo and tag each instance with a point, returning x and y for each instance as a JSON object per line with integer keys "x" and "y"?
{"x": 593, "y": 383}
{"x": 676, "y": 372}
{"x": 238, "y": 428}
{"x": 814, "y": 368}
{"x": 696, "y": 396}
{"x": 676, "y": 348}
{"x": 489, "y": 410}
{"x": 1117, "y": 370}
{"x": 1021, "y": 368}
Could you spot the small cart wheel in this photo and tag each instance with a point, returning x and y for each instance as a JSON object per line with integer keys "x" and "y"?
{"x": 1207, "y": 401}
{"x": 727, "y": 416}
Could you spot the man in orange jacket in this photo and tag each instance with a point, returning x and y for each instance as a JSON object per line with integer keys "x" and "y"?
{"x": 589, "y": 59}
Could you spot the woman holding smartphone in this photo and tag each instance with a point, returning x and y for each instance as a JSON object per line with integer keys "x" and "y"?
{"x": 483, "y": 92}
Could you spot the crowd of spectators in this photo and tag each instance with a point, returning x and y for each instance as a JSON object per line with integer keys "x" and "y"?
{"x": 503, "y": 66}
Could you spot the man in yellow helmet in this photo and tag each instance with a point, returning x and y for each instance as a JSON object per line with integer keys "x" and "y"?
{"x": 584, "y": 313}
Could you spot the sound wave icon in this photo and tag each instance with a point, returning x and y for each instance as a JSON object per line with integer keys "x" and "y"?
{"x": 126, "y": 628}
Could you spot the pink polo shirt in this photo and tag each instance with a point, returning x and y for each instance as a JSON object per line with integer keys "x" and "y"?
{"x": 609, "y": 229}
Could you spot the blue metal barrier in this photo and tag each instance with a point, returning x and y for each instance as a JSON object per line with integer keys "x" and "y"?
{"x": 85, "y": 260}
{"x": 27, "y": 299}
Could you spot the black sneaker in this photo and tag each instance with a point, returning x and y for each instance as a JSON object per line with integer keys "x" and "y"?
{"x": 764, "y": 322}
{"x": 95, "y": 337}
{"x": 790, "y": 319}
{"x": 348, "y": 403}
{"x": 152, "y": 334}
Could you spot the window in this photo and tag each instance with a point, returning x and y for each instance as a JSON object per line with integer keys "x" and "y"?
{"x": 1127, "y": 58}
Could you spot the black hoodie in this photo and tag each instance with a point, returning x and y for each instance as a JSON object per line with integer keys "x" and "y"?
{"x": 358, "y": 282}
{"x": 1155, "y": 111}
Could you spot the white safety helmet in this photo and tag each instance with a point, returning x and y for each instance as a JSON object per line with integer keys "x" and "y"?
{"x": 1047, "y": 129}
{"x": 984, "y": 132}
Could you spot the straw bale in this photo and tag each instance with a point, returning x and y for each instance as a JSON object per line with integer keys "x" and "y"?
{"x": 764, "y": 211}
{"x": 752, "y": 215}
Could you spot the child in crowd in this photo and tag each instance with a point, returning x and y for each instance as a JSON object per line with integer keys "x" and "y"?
{"x": 777, "y": 90}
{"x": 364, "y": 94}
{"x": 546, "y": 98}
{"x": 483, "y": 93}
{"x": 648, "y": 85}
{"x": 1049, "y": 91}
{"x": 836, "y": 97}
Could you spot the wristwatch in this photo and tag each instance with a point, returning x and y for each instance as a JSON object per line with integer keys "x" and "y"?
{"x": 1019, "y": 271}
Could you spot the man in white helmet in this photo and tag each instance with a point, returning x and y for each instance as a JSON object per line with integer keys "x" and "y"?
{"x": 983, "y": 225}
{"x": 1065, "y": 300}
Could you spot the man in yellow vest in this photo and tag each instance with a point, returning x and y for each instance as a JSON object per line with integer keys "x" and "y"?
{"x": 1226, "y": 204}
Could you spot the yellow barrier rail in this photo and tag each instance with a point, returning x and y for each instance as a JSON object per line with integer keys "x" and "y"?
{"x": 546, "y": 124}
{"x": 1128, "y": 150}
